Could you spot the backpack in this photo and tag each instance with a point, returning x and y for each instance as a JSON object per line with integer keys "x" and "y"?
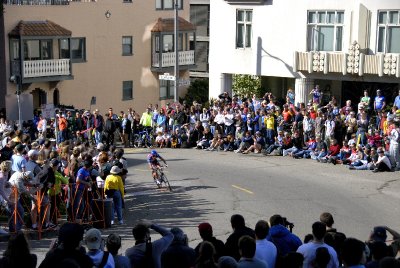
{"x": 104, "y": 259}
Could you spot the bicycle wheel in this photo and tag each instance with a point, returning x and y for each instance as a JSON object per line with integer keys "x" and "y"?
{"x": 165, "y": 179}
{"x": 136, "y": 140}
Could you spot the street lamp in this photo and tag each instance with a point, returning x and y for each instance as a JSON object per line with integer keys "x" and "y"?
{"x": 17, "y": 80}
{"x": 176, "y": 99}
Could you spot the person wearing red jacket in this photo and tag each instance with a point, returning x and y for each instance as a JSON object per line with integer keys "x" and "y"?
{"x": 333, "y": 152}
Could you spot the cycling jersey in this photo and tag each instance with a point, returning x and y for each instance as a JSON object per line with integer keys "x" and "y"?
{"x": 151, "y": 160}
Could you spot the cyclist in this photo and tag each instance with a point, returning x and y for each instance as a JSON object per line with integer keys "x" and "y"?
{"x": 154, "y": 164}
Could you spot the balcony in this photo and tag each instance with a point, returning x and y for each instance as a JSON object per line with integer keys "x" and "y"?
{"x": 168, "y": 59}
{"x": 43, "y": 70}
{"x": 352, "y": 63}
{"x": 43, "y": 2}
{"x": 163, "y": 45}
{"x": 40, "y": 68}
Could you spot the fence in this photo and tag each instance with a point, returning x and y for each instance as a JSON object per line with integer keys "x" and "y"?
{"x": 73, "y": 203}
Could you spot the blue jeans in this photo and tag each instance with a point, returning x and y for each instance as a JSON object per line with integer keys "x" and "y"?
{"x": 16, "y": 219}
{"x": 212, "y": 129}
{"x": 318, "y": 155}
{"x": 303, "y": 153}
{"x": 97, "y": 136}
{"x": 269, "y": 136}
{"x": 292, "y": 150}
{"x": 117, "y": 200}
{"x": 61, "y": 135}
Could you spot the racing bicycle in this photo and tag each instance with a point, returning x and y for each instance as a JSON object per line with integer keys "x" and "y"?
{"x": 162, "y": 178}
{"x": 143, "y": 139}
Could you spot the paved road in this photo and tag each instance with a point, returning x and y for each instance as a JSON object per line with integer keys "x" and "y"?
{"x": 211, "y": 186}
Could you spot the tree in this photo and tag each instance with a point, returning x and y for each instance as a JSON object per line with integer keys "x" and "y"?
{"x": 197, "y": 91}
{"x": 246, "y": 85}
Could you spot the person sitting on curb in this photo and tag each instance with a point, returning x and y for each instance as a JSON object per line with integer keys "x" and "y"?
{"x": 383, "y": 162}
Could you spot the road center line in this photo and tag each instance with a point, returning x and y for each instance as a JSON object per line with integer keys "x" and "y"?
{"x": 144, "y": 170}
{"x": 242, "y": 189}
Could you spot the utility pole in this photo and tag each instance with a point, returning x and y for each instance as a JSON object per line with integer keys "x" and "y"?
{"x": 176, "y": 19}
{"x": 16, "y": 78}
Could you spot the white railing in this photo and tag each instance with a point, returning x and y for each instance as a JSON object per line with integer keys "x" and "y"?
{"x": 168, "y": 59}
{"x": 379, "y": 64}
{"x": 39, "y": 68}
{"x": 44, "y": 2}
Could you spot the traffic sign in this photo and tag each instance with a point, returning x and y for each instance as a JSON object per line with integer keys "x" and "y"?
{"x": 184, "y": 82}
{"x": 166, "y": 76}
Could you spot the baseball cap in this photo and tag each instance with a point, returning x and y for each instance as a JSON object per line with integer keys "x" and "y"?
{"x": 93, "y": 239}
{"x": 379, "y": 234}
{"x": 54, "y": 162}
{"x": 32, "y": 153}
{"x": 35, "y": 145}
{"x": 100, "y": 146}
{"x": 19, "y": 147}
{"x": 205, "y": 227}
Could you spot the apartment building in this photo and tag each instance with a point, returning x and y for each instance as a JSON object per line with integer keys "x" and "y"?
{"x": 345, "y": 46}
{"x": 200, "y": 17}
{"x": 97, "y": 54}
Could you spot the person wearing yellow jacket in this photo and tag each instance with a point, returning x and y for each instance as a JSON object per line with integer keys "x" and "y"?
{"x": 114, "y": 188}
{"x": 55, "y": 192}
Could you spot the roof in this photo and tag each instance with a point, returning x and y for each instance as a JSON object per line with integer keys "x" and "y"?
{"x": 167, "y": 25}
{"x": 39, "y": 28}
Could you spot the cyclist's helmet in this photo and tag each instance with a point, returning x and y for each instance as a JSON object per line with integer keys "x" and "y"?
{"x": 154, "y": 152}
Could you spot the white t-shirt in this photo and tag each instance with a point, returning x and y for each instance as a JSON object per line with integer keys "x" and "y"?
{"x": 266, "y": 251}
{"x": 309, "y": 252}
{"x": 385, "y": 160}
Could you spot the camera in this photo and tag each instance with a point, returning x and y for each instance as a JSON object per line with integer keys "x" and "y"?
{"x": 287, "y": 224}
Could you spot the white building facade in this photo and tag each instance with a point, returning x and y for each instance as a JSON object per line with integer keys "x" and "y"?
{"x": 345, "y": 46}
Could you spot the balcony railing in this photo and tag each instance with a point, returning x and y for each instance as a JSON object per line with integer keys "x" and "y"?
{"x": 352, "y": 63}
{"x": 40, "y": 68}
{"x": 168, "y": 59}
{"x": 43, "y": 2}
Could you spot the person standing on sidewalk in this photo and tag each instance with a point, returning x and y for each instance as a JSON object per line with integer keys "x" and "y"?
{"x": 114, "y": 188}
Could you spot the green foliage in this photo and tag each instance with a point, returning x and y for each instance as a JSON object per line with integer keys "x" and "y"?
{"x": 246, "y": 85}
{"x": 197, "y": 91}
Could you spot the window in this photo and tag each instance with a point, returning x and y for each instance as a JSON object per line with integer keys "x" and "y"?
{"x": 127, "y": 90}
{"x": 78, "y": 49}
{"x": 37, "y": 50}
{"x": 325, "y": 30}
{"x": 389, "y": 31}
{"x": 168, "y": 43}
{"x": 126, "y": 45}
{"x": 243, "y": 28}
{"x": 168, "y": 4}
{"x": 14, "y": 49}
{"x": 167, "y": 89}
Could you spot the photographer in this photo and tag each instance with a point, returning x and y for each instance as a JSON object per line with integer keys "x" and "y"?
{"x": 282, "y": 238}
{"x": 146, "y": 253}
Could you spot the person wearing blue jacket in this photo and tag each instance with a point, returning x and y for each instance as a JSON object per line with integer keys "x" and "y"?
{"x": 281, "y": 237}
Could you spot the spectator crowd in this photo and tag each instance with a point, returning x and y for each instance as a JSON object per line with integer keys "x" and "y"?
{"x": 65, "y": 163}
{"x": 268, "y": 245}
